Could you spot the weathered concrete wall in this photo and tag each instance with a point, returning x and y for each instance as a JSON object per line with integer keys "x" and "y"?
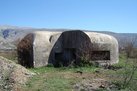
{"x": 42, "y": 47}
{"x": 106, "y": 42}
{"x": 67, "y": 45}
{"x": 46, "y": 44}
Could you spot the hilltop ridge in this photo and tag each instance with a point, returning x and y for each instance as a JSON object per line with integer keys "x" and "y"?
{"x": 10, "y": 35}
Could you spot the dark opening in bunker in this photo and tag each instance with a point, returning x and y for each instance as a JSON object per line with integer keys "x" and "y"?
{"x": 66, "y": 57}
{"x": 101, "y": 55}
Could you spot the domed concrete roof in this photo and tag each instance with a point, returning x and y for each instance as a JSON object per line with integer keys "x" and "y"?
{"x": 46, "y": 44}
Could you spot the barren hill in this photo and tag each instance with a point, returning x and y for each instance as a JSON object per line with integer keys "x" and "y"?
{"x": 10, "y": 35}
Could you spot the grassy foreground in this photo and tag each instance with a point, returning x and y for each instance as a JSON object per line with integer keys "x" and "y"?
{"x": 64, "y": 78}
{"x": 58, "y": 79}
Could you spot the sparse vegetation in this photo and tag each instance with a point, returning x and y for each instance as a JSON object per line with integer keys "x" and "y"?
{"x": 129, "y": 72}
{"x": 117, "y": 77}
{"x": 65, "y": 78}
{"x": 11, "y": 55}
{"x": 57, "y": 79}
{"x": 12, "y": 75}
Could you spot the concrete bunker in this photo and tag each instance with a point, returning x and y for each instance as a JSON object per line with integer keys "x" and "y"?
{"x": 41, "y": 48}
{"x": 70, "y": 43}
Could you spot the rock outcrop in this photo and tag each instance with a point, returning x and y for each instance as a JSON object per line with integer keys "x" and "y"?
{"x": 12, "y": 75}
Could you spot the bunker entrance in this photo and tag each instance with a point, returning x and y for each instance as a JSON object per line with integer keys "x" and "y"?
{"x": 66, "y": 57}
{"x": 101, "y": 55}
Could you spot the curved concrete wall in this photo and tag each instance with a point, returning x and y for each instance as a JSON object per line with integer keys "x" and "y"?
{"x": 106, "y": 42}
{"x": 46, "y": 43}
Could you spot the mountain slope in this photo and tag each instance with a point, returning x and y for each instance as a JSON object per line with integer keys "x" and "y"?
{"x": 11, "y": 35}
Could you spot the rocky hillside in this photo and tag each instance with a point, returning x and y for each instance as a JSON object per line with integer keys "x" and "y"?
{"x": 12, "y": 75}
{"x": 11, "y": 35}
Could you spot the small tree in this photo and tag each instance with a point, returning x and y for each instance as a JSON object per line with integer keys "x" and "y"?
{"x": 84, "y": 52}
{"x": 130, "y": 46}
{"x": 88, "y": 53}
{"x": 130, "y": 66}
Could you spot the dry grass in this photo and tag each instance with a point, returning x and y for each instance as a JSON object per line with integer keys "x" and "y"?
{"x": 57, "y": 79}
{"x": 11, "y": 55}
